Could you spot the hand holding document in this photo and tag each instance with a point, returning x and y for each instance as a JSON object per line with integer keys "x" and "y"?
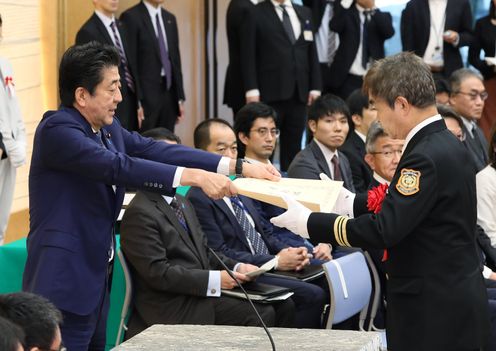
{"x": 267, "y": 266}
{"x": 316, "y": 195}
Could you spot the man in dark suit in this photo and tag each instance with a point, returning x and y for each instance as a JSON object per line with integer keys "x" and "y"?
{"x": 176, "y": 279}
{"x": 82, "y": 161}
{"x": 235, "y": 228}
{"x": 435, "y": 31}
{"x": 154, "y": 46}
{"x": 103, "y": 27}
{"x": 427, "y": 219}
{"x": 328, "y": 121}
{"x": 362, "y": 30}
{"x": 467, "y": 99}
{"x": 362, "y": 115}
{"x": 280, "y": 67}
{"x": 234, "y": 93}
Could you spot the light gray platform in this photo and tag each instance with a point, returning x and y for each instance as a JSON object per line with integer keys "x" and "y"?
{"x": 230, "y": 338}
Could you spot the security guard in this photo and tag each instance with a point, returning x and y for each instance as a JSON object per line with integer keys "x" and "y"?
{"x": 436, "y": 295}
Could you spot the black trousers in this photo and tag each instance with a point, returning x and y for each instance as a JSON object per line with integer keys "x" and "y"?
{"x": 291, "y": 120}
{"x": 163, "y": 113}
{"x": 127, "y": 109}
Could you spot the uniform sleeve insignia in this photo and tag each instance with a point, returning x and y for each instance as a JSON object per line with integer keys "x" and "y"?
{"x": 409, "y": 181}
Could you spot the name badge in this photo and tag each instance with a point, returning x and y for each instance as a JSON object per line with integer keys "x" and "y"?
{"x": 308, "y": 35}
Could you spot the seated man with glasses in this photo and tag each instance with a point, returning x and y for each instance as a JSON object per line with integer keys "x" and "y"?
{"x": 467, "y": 99}
{"x": 38, "y": 318}
{"x": 383, "y": 154}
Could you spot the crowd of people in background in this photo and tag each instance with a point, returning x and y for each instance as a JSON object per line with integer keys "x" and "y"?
{"x": 292, "y": 70}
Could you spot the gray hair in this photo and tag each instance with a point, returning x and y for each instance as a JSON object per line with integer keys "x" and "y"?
{"x": 375, "y": 132}
{"x": 459, "y": 76}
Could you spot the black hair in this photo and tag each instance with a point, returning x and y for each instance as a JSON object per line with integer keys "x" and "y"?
{"x": 201, "y": 135}
{"x": 82, "y": 66}
{"x": 37, "y": 316}
{"x": 246, "y": 116}
{"x": 357, "y": 101}
{"x": 11, "y": 335}
{"x": 448, "y": 112}
{"x": 161, "y": 133}
{"x": 492, "y": 11}
{"x": 326, "y": 105}
{"x": 442, "y": 86}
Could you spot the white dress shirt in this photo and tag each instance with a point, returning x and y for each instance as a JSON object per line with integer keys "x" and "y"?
{"x": 322, "y": 36}
{"x": 152, "y": 11}
{"x": 356, "y": 67}
{"x": 437, "y": 10}
{"x": 107, "y": 21}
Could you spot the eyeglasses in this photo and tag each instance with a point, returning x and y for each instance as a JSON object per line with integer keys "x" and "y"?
{"x": 388, "y": 153}
{"x": 473, "y": 95}
{"x": 264, "y": 131}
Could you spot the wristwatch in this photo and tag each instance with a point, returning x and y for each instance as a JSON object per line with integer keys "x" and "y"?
{"x": 238, "y": 169}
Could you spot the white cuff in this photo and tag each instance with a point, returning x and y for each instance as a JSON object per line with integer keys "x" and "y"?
{"x": 213, "y": 289}
{"x": 315, "y": 92}
{"x": 223, "y": 166}
{"x": 486, "y": 272}
{"x": 252, "y": 93}
{"x": 176, "y": 182}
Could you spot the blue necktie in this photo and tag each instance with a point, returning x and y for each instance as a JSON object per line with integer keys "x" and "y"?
{"x": 253, "y": 237}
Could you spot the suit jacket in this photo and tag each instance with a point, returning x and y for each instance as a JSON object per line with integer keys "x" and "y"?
{"x": 94, "y": 30}
{"x": 310, "y": 162}
{"x": 234, "y": 93}
{"x": 144, "y": 50}
{"x": 318, "y": 9}
{"x": 73, "y": 206}
{"x": 279, "y": 69}
{"x": 478, "y": 148}
{"x": 224, "y": 233}
{"x": 434, "y": 226}
{"x": 354, "y": 149}
{"x": 415, "y": 30}
{"x": 485, "y": 40}
{"x": 170, "y": 267}
{"x": 346, "y": 22}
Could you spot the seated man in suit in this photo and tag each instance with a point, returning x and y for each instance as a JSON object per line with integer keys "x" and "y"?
{"x": 362, "y": 114}
{"x": 38, "y": 318}
{"x": 467, "y": 99}
{"x": 234, "y": 227}
{"x": 256, "y": 131}
{"x": 328, "y": 121}
{"x": 177, "y": 280}
{"x": 383, "y": 154}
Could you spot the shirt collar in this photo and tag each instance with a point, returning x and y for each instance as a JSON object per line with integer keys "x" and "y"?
{"x": 286, "y": 3}
{"x": 152, "y": 10}
{"x": 328, "y": 154}
{"x": 380, "y": 179}
{"x": 418, "y": 127}
{"x": 168, "y": 199}
{"x": 107, "y": 21}
{"x": 363, "y": 137}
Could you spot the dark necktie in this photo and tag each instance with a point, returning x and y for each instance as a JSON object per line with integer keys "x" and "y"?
{"x": 335, "y": 166}
{"x": 253, "y": 237}
{"x": 179, "y": 213}
{"x": 164, "y": 54}
{"x": 365, "y": 40}
{"x": 332, "y": 38}
{"x": 482, "y": 151}
{"x": 127, "y": 74}
{"x": 286, "y": 23}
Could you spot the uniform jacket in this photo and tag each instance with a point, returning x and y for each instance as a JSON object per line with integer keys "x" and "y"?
{"x": 73, "y": 206}
{"x": 433, "y": 227}
{"x": 415, "y": 30}
{"x": 170, "y": 266}
{"x": 279, "y": 69}
{"x": 310, "y": 162}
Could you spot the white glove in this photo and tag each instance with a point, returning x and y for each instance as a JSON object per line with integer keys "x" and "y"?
{"x": 344, "y": 203}
{"x": 295, "y": 218}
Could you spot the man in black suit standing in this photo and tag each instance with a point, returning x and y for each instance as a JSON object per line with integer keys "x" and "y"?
{"x": 280, "y": 67}
{"x": 328, "y": 122}
{"x": 154, "y": 46}
{"x": 237, "y": 12}
{"x": 435, "y": 30}
{"x": 103, "y": 27}
{"x": 362, "y": 30}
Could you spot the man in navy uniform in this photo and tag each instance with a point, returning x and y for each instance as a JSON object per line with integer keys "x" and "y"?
{"x": 427, "y": 220}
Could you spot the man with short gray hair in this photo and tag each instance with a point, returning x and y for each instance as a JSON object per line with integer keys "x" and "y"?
{"x": 467, "y": 99}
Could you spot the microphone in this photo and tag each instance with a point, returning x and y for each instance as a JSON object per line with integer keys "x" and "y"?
{"x": 247, "y": 297}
